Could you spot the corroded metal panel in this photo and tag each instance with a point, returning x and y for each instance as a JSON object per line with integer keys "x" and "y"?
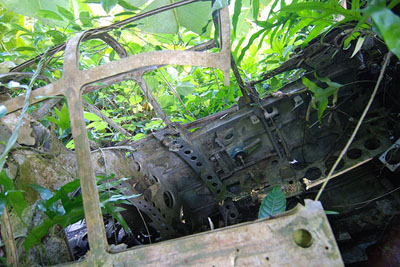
{"x": 260, "y": 243}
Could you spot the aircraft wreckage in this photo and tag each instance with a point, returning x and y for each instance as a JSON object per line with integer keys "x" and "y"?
{"x": 215, "y": 171}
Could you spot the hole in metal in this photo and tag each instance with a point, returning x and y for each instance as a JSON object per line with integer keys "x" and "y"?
{"x": 313, "y": 173}
{"x": 302, "y": 238}
{"x": 168, "y": 199}
{"x": 372, "y": 144}
{"x": 354, "y": 153}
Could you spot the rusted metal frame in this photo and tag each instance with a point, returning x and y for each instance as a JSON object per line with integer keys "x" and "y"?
{"x": 71, "y": 85}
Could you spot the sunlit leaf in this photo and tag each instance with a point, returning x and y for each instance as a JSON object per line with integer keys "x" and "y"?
{"x": 256, "y": 8}
{"x": 66, "y": 13}
{"x": 85, "y": 18}
{"x": 236, "y": 13}
{"x": 108, "y": 5}
{"x": 48, "y": 14}
{"x": 135, "y": 99}
{"x": 126, "y": 5}
{"x": 91, "y": 117}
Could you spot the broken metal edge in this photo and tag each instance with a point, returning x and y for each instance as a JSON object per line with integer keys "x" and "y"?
{"x": 281, "y": 241}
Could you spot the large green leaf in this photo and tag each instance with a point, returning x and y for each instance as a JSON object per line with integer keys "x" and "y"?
{"x": 194, "y": 17}
{"x": 66, "y": 13}
{"x": 45, "y": 10}
{"x": 388, "y": 24}
{"x": 16, "y": 199}
{"x": 274, "y": 203}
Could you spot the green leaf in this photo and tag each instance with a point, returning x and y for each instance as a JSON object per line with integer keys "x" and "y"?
{"x": 166, "y": 101}
{"x": 135, "y": 99}
{"x": 38, "y": 232}
{"x": 126, "y": 5}
{"x": 66, "y": 13}
{"x": 236, "y": 13}
{"x": 71, "y": 186}
{"x": 6, "y": 182}
{"x": 108, "y": 5}
{"x": 185, "y": 88}
{"x": 84, "y": 17}
{"x": 139, "y": 136}
{"x": 152, "y": 24}
{"x": 31, "y": 7}
{"x": 309, "y": 84}
{"x": 256, "y": 8}
{"x": 58, "y": 36}
{"x": 117, "y": 215}
{"x": 195, "y": 17}
{"x": 137, "y": 3}
{"x": 274, "y": 203}
{"x": 359, "y": 44}
{"x": 16, "y": 199}
{"x": 3, "y": 111}
{"x": 63, "y": 118}
{"x": 331, "y": 7}
{"x": 48, "y": 14}
{"x": 91, "y": 117}
{"x": 388, "y": 24}
{"x": 251, "y": 41}
{"x": 44, "y": 192}
{"x": 321, "y": 95}
{"x": 25, "y": 48}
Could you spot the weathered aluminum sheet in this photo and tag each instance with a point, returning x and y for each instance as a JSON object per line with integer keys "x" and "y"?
{"x": 260, "y": 243}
